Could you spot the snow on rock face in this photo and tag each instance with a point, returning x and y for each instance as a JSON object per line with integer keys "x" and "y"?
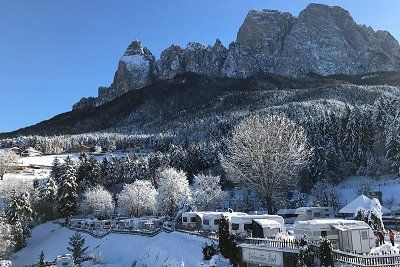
{"x": 137, "y": 68}
{"x": 323, "y": 40}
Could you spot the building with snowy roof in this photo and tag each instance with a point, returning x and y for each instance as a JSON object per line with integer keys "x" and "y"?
{"x": 346, "y": 235}
{"x": 361, "y": 201}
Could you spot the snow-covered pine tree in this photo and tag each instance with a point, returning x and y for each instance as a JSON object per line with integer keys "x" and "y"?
{"x": 393, "y": 148}
{"x": 19, "y": 235}
{"x": 56, "y": 169}
{"x": 46, "y": 199}
{"x": 94, "y": 172}
{"x": 325, "y": 250}
{"x": 6, "y": 240}
{"x": 67, "y": 190}
{"x": 82, "y": 171}
{"x": 77, "y": 247}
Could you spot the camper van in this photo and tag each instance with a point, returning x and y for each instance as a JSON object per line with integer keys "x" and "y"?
{"x": 260, "y": 226}
{"x": 192, "y": 219}
{"x": 211, "y": 220}
{"x": 65, "y": 260}
{"x": 346, "y": 235}
{"x": 305, "y": 213}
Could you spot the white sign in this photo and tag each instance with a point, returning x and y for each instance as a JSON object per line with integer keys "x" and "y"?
{"x": 264, "y": 257}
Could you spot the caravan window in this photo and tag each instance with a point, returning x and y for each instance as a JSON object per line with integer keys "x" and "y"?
{"x": 317, "y": 214}
{"x": 206, "y": 221}
{"x": 217, "y": 221}
{"x": 248, "y": 227}
{"x": 324, "y": 233}
{"x": 184, "y": 219}
{"x": 364, "y": 235}
{"x": 235, "y": 226}
{"x": 193, "y": 219}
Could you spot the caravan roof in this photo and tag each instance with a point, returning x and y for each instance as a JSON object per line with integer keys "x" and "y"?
{"x": 326, "y": 224}
{"x": 268, "y": 223}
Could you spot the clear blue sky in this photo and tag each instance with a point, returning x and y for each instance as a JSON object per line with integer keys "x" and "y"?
{"x": 52, "y": 53}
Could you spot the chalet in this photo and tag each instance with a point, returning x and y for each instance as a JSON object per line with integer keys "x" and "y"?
{"x": 212, "y": 219}
{"x": 346, "y": 235}
{"x": 31, "y": 152}
{"x": 361, "y": 201}
{"x": 305, "y": 213}
{"x": 259, "y": 226}
{"x": 16, "y": 150}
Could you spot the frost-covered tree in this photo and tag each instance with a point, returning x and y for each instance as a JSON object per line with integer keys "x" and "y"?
{"x": 327, "y": 194}
{"x": 186, "y": 204}
{"x": 393, "y": 148}
{"x": 138, "y": 199}
{"x": 88, "y": 172}
{"x": 375, "y": 215}
{"x": 11, "y": 188}
{"x": 42, "y": 262}
{"x": 8, "y": 159}
{"x": 173, "y": 187}
{"x": 46, "y": 199}
{"x": 97, "y": 201}
{"x": 298, "y": 199}
{"x": 207, "y": 192}
{"x": 325, "y": 251}
{"x": 67, "y": 190}
{"x": 266, "y": 154}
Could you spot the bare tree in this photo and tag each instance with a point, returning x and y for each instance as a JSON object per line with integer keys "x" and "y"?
{"x": 7, "y": 160}
{"x": 265, "y": 154}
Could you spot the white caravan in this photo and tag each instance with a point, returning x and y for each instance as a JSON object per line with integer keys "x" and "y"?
{"x": 346, "y": 235}
{"x": 193, "y": 219}
{"x": 211, "y": 220}
{"x": 260, "y": 226}
{"x": 305, "y": 213}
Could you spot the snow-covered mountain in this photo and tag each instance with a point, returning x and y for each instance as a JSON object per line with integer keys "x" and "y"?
{"x": 322, "y": 40}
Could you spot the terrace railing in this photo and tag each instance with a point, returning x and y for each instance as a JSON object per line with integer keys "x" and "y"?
{"x": 357, "y": 260}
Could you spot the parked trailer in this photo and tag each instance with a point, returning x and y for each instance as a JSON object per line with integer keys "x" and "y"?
{"x": 211, "y": 220}
{"x": 257, "y": 225}
{"x": 345, "y": 235}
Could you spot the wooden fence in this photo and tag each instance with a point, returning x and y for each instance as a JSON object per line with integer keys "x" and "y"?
{"x": 358, "y": 260}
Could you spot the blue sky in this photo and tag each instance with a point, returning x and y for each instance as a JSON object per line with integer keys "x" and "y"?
{"x": 52, "y": 53}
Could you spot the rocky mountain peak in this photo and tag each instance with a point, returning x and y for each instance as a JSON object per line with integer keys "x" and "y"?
{"x": 322, "y": 40}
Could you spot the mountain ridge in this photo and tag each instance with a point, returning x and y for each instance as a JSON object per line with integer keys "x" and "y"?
{"x": 323, "y": 40}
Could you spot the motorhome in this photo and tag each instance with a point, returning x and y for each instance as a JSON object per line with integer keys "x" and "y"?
{"x": 211, "y": 220}
{"x": 346, "y": 235}
{"x": 260, "y": 226}
{"x": 305, "y": 213}
{"x": 193, "y": 219}
{"x": 65, "y": 260}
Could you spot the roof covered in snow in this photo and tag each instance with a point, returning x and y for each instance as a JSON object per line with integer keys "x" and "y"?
{"x": 326, "y": 224}
{"x": 360, "y": 202}
{"x": 267, "y": 223}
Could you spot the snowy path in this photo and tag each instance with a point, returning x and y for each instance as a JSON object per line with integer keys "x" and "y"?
{"x": 117, "y": 249}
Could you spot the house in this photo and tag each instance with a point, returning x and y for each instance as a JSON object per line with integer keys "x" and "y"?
{"x": 361, "y": 201}
{"x": 211, "y": 219}
{"x": 346, "y": 235}
{"x": 260, "y": 226}
{"x": 16, "y": 150}
{"x": 65, "y": 260}
{"x": 193, "y": 219}
{"x": 305, "y": 213}
{"x": 31, "y": 152}
{"x": 79, "y": 149}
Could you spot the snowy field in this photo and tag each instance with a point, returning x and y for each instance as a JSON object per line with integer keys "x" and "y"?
{"x": 165, "y": 249}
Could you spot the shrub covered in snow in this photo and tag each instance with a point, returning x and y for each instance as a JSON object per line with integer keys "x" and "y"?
{"x": 207, "y": 192}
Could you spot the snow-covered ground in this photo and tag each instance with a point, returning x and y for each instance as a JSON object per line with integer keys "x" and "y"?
{"x": 165, "y": 249}
{"x": 390, "y": 187}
